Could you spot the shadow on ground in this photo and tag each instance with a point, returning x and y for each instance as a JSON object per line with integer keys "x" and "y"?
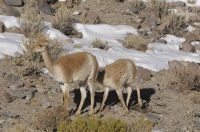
{"x": 112, "y": 99}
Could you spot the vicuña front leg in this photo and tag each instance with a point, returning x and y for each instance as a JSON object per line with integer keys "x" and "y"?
{"x": 65, "y": 91}
{"x": 105, "y": 95}
{"x": 83, "y": 96}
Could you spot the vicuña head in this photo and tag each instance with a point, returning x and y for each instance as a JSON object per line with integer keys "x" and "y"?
{"x": 80, "y": 68}
{"x": 119, "y": 75}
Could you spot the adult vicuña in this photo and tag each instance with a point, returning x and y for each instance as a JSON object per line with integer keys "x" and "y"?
{"x": 77, "y": 68}
{"x": 119, "y": 75}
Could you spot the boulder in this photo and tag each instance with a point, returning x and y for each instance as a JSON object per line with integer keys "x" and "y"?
{"x": 2, "y": 27}
{"x": 16, "y": 3}
{"x": 46, "y": 8}
{"x": 9, "y": 11}
{"x": 5, "y": 97}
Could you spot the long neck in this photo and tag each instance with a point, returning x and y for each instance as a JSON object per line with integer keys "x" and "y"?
{"x": 48, "y": 61}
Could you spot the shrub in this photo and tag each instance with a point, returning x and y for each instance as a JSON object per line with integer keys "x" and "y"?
{"x": 18, "y": 128}
{"x": 135, "y": 42}
{"x": 175, "y": 25}
{"x": 160, "y": 6}
{"x": 93, "y": 124}
{"x": 31, "y": 22}
{"x": 141, "y": 124}
{"x": 191, "y": 1}
{"x": 97, "y": 43}
{"x": 138, "y": 4}
{"x": 49, "y": 118}
{"x": 63, "y": 21}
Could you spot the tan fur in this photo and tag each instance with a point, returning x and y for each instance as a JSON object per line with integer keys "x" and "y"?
{"x": 80, "y": 68}
{"x": 119, "y": 75}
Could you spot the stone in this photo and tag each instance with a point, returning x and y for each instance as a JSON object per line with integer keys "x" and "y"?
{"x": 10, "y": 11}
{"x": 90, "y": 17}
{"x": 5, "y": 97}
{"x": 151, "y": 18}
{"x": 14, "y": 30}
{"x": 16, "y": 3}
{"x": 46, "y": 8}
{"x": 2, "y": 27}
{"x": 179, "y": 4}
{"x": 187, "y": 47}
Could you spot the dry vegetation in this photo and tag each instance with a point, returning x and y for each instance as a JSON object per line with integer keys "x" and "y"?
{"x": 135, "y": 42}
{"x": 63, "y": 21}
{"x": 48, "y": 119}
{"x": 31, "y": 21}
{"x": 97, "y": 43}
{"x": 176, "y": 23}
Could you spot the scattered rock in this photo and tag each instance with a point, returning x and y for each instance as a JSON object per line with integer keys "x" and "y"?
{"x": 150, "y": 17}
{"x": 197, "y": 47}
{"x": 153, "y": 117}
{"x": 46, "y": 8}
{"x": 143, "y": 74}
{"x": 14, "y": 2}
{"x": 12, "y": 78}
{"x": 5, "y": 97}
{"x": 90, "y": 17}
{"x": 190, "y": 37}
{"x": 10, "y": 115}
{"x": 187, "y": 47}
{"x": 179, "y": 4}
{"x": 10, "y": 11}
{"x": 14, "y": 30}
{"x": 2, "y": 27}
{"x": 197, "y": 124}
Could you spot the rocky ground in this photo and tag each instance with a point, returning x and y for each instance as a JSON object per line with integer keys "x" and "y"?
{"x": 171, "y": 97}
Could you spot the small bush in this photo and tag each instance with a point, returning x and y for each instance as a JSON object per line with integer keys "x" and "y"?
{"x": 176, "y": 24}
{"x": 63, "y": 21}
{"x": 97, "y": 43}
{"x": 141, "y": 124}
{"x": 18, "y": 128}
{"x": 31, "y": 22}
{"x": 160, "y": 6}
{"x": 48, "y": 119}
{"x": 138, "y": 5}
{"x": 191, "y": 1}
{"x": 135, "y": 42}
{"x": 93, "y": 124}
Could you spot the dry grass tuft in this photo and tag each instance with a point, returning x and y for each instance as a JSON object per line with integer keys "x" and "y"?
{"x": 191, "y": 1}
{"x": 97, "y": 43}
{"x": 195, "y": 98}
{"x": 31, "y": 21}
{"x": 135, "y": 42}
{"x": 160, "y": 6}
{"x": 176, "y": 24}
{"x": 63, "y": 21}
{"x": 93, "y": 124}
{"x": 18, "y": 128}
{"x": 141, "y": 124}
{"x": 48, "y": 119}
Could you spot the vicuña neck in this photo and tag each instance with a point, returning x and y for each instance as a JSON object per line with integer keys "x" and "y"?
{"x": 48, "y": 61}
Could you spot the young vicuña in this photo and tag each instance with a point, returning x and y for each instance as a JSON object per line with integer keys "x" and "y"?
{"x": 119, "y": 75}
{"x": 77, "y": 68}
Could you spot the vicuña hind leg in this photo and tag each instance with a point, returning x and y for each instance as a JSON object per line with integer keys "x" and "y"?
{"x": 92, "y": 95}
{"x": 129, "y": 91}
{"x": 138, "y": 94}
{"x": 120, "y": 96}
{"x": 105, "y": 95}
{"x": 83, "y": 96}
